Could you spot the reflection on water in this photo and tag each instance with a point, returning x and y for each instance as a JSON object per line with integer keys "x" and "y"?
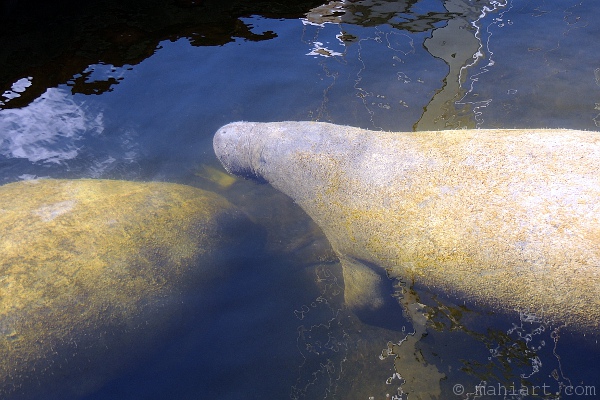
{"x": 48, "y": 129}
{"x": 58, "y": 42}
{"x": 493, "y": 71}
{"x": 519, "y": 355}
{"x": 149, "y": 97}
{"x": 444, "y": 351}
{"x": 462, "y": 46}
{"x": 459, "y": 40}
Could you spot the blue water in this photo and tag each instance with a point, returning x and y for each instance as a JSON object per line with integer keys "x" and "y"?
{"x": 277, "y": 329}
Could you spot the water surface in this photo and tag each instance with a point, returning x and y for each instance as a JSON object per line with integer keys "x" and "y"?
{"x": 138, "y": 104}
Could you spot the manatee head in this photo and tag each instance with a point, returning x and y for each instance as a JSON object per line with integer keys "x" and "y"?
{"x": 233, "y": 144}
{"x": 284, "y": 154}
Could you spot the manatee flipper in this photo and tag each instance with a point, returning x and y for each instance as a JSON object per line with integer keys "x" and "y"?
{"x": 363, "y": 291}
{"x": 368, "y": 293}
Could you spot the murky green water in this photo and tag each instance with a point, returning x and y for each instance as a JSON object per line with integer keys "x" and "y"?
{"x": 138, "y": 95}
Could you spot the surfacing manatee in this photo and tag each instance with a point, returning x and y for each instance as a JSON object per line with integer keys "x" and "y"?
{"x": 95, "y": 273}
{"x": 507, "y": 218}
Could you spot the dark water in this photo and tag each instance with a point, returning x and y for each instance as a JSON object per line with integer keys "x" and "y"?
{"x": 122, "y": 91}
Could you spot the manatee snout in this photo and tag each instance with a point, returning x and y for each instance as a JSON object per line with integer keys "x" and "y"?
{"x": 234, "y": 147}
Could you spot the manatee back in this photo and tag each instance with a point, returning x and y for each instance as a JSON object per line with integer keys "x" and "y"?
{"x": 509, "y": 218}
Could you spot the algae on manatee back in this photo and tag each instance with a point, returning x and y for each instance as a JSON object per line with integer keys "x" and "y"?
{"x": 92, "y": 270}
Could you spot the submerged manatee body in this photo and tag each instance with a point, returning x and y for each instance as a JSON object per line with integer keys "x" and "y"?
{"x": 508, "y": 218}
{"x": 94, "y": 274}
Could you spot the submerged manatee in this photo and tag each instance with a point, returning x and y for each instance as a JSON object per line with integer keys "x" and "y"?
{"x": 509, "y": 218}
{"x": 93, "y": 273}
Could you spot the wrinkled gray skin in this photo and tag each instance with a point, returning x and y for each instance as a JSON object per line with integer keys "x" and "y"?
{"x": 507, "y": 218}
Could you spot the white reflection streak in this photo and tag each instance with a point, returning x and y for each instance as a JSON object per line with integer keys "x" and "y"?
{"x": 479, "y": 55}
{"x": 47, "y": 129}
{"x": 320, "y": 50}
{"x": 17, "y": 87}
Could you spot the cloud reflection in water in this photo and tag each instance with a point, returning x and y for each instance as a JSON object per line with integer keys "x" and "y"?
{"x": 48, "y": 129}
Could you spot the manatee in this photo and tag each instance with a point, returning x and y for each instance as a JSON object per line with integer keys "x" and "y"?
{"x": 93, "y": 273}
{"x": 507, "y": 219}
